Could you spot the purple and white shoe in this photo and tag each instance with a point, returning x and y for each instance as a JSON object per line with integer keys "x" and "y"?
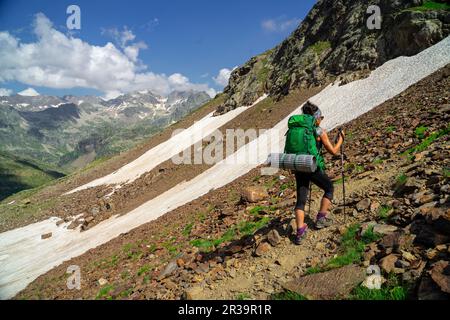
{"x": 323, "y": 221}
{"x": 301, "y": 233}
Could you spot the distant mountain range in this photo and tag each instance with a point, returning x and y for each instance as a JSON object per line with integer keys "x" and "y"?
{"x": 68, "y": 132}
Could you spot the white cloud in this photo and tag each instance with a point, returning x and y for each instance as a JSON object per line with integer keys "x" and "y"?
{"x": 224, "y": 75}
{"x": 30, "y": 92}
{"x": 123, "y": 38}
{"x": 280, "y": 24}
{"x": 5, "y": 92}
{"x": 56, "y": 60}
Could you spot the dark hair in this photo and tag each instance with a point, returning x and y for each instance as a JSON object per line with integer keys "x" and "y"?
{"x": 309, "y": 108}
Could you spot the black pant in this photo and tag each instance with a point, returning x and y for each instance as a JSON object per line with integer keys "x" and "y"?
{"x": 303, "y": 180}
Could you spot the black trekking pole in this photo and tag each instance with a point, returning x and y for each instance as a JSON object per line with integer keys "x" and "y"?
{"x": 343, "y": 180}
{"x": 310, "y": 200}
{"x": 342, "y": 170}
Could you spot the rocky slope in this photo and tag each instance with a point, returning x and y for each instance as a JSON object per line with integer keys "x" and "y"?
{"x": 231, "y": 244}
{"x": 334, "y": 43}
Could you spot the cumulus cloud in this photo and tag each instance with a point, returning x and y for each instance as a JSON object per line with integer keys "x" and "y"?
{"x": 56, "y": 60}
{"x": 280, "y": 24}
{"x": 5, "y": 92}
{"x": 224, "y": 75}
{"x": 30, "y": 92}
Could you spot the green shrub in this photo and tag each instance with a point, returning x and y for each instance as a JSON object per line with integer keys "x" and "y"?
{"x": 420, "y": 132}
{"x": 383, "y": 212}
{"x": 287, "y": 295}
{"x": 320, "y": 46}
{"x": 430, "y": 6}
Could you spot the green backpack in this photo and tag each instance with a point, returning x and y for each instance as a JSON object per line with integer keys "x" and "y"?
{"x": 301, "y": 138}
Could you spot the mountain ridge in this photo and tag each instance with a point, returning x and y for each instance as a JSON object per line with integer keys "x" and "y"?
{"x": 333, "y": 43}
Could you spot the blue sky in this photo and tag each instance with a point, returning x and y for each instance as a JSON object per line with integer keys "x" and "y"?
{"x": 192, "y": 39}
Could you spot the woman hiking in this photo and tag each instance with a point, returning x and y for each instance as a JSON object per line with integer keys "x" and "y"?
{"x": 310, "y": 141}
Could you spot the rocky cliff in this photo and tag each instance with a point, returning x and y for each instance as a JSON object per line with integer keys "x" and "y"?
{"x": 334, "y": 43}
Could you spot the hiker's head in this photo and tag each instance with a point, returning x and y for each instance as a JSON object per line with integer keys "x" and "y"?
{"x": 313, "y": 110}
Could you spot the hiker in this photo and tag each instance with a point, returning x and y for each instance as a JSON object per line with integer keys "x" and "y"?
{"x": 305, "y": 136}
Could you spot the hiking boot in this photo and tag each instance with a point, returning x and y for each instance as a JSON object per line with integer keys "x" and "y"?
{"x": 323, "y": 221}
{"x": 301, "y": 233}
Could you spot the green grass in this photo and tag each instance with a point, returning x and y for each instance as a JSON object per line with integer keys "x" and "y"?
{"x": 420, "y": 132}
{"x": 349, "y": 135}
{"x": 401, "y": 179}
{"x": 188, "y": 229}
{"x": 288, "y": 185}
{"x": 320, "y": 47}
{"x": 18, "y": 174}
{"x": 244, "y": 228}
{"x": 378, "y": 161}
{"x": 352, "y": 247}
{"x": 356, "y": 168}
{"x": 171, "y": 246}
{"x": 263, "y": 72}
{"x": 339, "y": 181}
{"x": 288, "y": 295}
{"x": 425, "y": 143}
{"x": 393, "y": 289}
{"x": 391, "y": 129}
{"x": 370, "y": 236}
{"x": 430, "y": 6}
{"x": 269, "y": 184}
{"x": 208, "y": 244}
{"x": 257, "y": 210}
{"x": 313, "y": 270}
{"x": 383, "y": 212}
{"x": 243, "y": 296}
{"x": 248, "y": 228}
{"x": 144, "y": 269}
{"x": 446, "y": 172}
{"x": 107, "y": 262}
{"x": 104, "y": 292}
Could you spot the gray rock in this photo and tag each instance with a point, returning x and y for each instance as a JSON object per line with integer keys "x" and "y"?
{"x": 384, "y": 229}
{"x": 363, "y": 204}
{"x": 274, "y": 237}
{"x": 333, "y": 284}
{"x": 169, "y": 270}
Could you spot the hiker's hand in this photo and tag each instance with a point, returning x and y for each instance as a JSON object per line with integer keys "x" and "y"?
{"x": 342, "y": 134}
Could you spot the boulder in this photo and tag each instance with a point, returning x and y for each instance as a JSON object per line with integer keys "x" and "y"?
{"x": 439, "y": 218}
{"x": 388, "y": 263}
{"x": 193, "y": 293}
{"x": 170, "y": 269}
{"x": 102, "y": 282}
{"x": 274, "y": 237}
{"x": 384, "y": 229}
{"x": 46, "y": 236}
{"x": 262, "y": 249}
{"x": 408, "y": 256}
{"x": 427, "y": 236}
{"x": 429, "y": 290}
{"x": 409, "y": 187}
{"x": 397, "y": 241}
{"x": 441, "y": 275}
{"x": 254, "y": 194}
{"x": 363, "y": 204}
{"x": 333, "y": 284}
